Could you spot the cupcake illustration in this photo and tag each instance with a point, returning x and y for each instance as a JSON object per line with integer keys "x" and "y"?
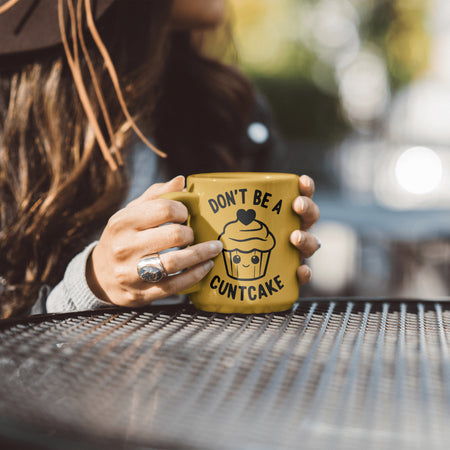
{"x": 247, "y": 243}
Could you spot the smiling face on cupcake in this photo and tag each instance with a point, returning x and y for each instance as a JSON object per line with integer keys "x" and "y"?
{"x": 247, "y": 243}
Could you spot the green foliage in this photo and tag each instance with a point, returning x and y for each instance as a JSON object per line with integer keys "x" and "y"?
{"x": 301, "y": 110}
{"x": 283, "y": 50}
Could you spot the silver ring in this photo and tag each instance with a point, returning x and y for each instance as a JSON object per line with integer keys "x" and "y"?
{"x": 151, "y": 269}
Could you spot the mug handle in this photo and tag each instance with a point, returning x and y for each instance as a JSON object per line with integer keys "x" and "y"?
{"x": 190, "y": 200}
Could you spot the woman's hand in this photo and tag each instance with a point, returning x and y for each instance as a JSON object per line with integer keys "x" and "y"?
{"x": 309, "y": 214}
{"x": 135, "y": 232}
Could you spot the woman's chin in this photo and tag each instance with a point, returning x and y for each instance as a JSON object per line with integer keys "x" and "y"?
{"x": 197, "y": 14}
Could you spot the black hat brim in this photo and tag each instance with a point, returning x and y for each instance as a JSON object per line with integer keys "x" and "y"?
{"x": 32, "y": 25}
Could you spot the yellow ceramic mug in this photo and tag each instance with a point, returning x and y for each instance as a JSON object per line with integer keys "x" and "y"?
{"x": 251, "y": 213}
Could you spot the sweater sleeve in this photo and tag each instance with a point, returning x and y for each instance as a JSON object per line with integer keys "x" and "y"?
{"x": 73, "y": 292}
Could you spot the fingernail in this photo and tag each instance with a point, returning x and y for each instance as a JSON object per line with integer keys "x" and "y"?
{"x": 216, "y": 246}
{"x": 306, "y": 180}
{"x": 299, "y": 237}
{"x": 175, "y": 178}
{"x": 209, "y": 265}
{"x": 309, "y": 272}
{"x": 299, "y": 204}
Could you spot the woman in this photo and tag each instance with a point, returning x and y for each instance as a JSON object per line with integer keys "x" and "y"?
{"x": 68, "y": 153}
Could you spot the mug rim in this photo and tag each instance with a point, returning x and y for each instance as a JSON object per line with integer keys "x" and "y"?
{"x": 239, "y": 176}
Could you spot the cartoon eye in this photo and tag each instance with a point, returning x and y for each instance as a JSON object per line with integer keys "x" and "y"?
{"x": 255, "y": 259}
{"x": 236, "y": 259}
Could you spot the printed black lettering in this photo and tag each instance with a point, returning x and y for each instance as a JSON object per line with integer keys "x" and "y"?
{"x": 223, "y": 287}
{"x": 257, "y": 197}
{"x": 243, "y": 191}
{"x": 277, "y": 207}
{"x": 265, "y": 200}
{"x": 230, "y": 198}
{"x": 278, "y": 282}
{"x": 231, "y": 291}
{"x": 252, "y": 293}
{"x": 270, "y": 289}
{"x": 221, "y": 200}
{"x": 213, "y": 281}
{"x": 214, "y": 205}
{"x": 261, "y": 291}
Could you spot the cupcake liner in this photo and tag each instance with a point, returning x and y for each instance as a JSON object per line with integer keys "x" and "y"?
{"x": 246, "y": 265}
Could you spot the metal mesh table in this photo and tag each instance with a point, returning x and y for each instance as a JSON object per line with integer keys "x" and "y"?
{"x": 336, "y": 374}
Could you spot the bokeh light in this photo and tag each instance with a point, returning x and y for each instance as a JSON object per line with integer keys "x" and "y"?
{"x": 418, "y": 170}
{"x": 360, "y": 90}
{"x": 420, "y": 113}
{"x": 258, "y": 132}
{"x": 334, "y": 266}
{"x": 364, "y": 89}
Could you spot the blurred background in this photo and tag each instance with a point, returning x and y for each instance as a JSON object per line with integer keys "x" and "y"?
{"x": 360, "y": 92}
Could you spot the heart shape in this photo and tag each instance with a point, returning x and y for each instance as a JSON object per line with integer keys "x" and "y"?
{"x": 246, "y": 217}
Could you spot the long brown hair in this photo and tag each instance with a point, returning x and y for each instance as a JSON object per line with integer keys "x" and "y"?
{"x": 52, "y": 199}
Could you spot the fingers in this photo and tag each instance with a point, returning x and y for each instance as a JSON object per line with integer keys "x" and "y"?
{"x": 304, "y": 206}
{"x": 130, "y": 290}
{"x": 309, "y": 213}
{"x": 175, "y": 284}
{"x": 195, "y": 262}
{"x": 304, "y": 274}
{"x": 307, "y": 210}
{"x": 149, "y": 211}
{"x": 307, "y": 186}
{"x": 307, "y": 243}
{"x": 136, "y": 231}
{"x": 148, "y": 214}
{"x": 154, "y": 191}
{"x": 178, "y": 260}
{"x": 154, "y": 240}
